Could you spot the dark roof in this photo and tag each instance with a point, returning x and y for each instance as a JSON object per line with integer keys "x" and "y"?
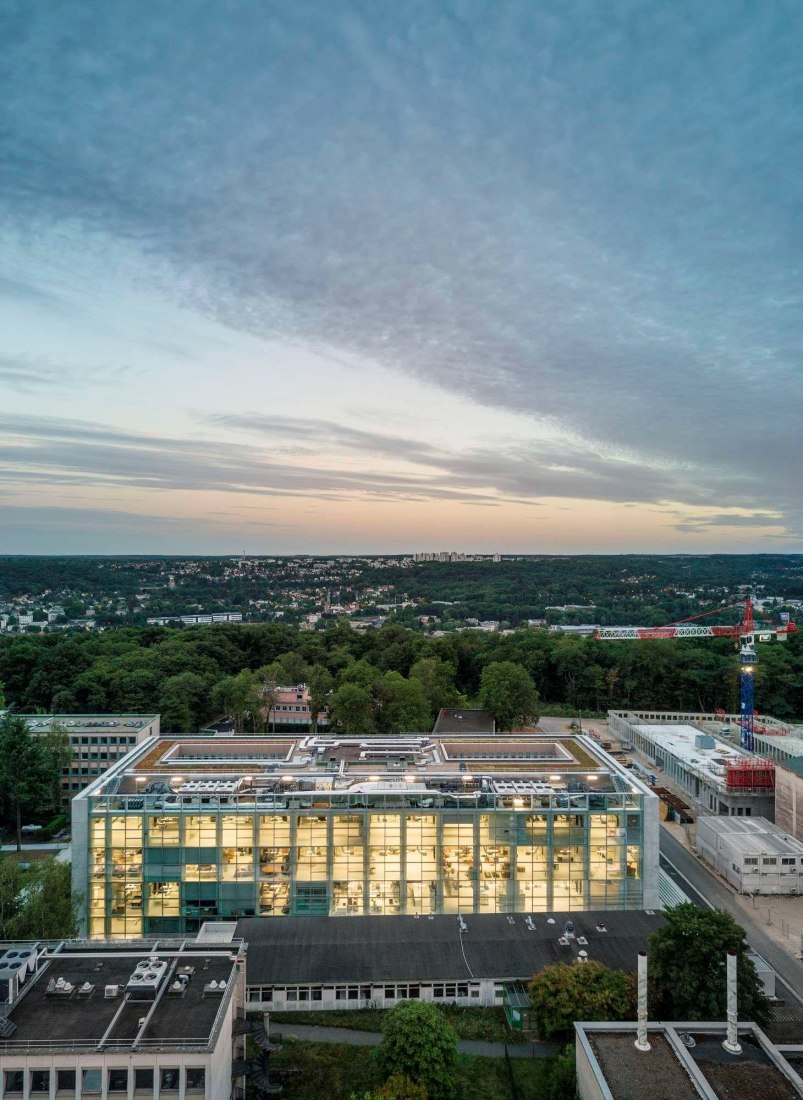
{"x": 320, "y": 950}
{"x": 456, "y": 720}
{"x": 83, "y": 1020}
{"x": 794, "y": 765}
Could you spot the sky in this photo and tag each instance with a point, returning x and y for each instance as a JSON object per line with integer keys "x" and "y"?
{"x": 486, "y": 275}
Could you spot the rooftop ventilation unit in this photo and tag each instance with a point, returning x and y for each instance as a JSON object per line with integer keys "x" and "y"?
{"x": 148, "y": 976}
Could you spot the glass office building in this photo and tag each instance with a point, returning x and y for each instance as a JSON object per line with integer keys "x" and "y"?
{"x": 185, "y": 830}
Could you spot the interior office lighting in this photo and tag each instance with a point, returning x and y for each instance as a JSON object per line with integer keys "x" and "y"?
{"x": 177, "y": 779}
{"x": 593, "y": 778}
{"x": 554, "y": 778}
{"x": 373, "y": 778}
{"x": 287, "y": 779}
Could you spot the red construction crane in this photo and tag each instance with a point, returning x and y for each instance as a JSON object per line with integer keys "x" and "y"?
{"x": 746, "y": 633}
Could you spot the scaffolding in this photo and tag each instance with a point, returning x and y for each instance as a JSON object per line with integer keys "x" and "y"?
{"x": 751, "y": 773}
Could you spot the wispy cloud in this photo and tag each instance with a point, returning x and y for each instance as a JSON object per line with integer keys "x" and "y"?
{"x": 590, "y": 217}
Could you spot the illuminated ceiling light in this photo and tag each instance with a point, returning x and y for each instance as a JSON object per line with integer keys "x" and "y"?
{"x": 287, "y": 779}
{"x": 554, "y": 778}
{"x": 177, "y": 779}
{"x": 592, "y": 777}
{"x": 373, "y": 778}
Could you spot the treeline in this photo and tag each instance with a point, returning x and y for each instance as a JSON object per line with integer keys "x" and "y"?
{"x": 195, "y": 675}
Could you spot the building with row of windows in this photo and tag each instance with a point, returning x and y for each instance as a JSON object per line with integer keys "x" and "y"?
{"x": 96, "y": 741}
{"x": 184, "y": 830}
{"x": 755, "y": 856}
{"x": 118, "y": 1022}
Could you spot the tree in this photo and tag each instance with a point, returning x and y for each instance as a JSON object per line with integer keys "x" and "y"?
{"x": 437, "y": 679}
{"x": 47, "y": 907}
{"x": 240, "y": 698}
{"x": 402, "y": 705}
{"x": 688, "y": 966}
{"x": 320, "y": 683}
{"x": 182, "y": 702}
{"x": 56, "y": 756}
{"x": 507, "y": 691}
{"x": 352, "y": 709}
{"x": 563, "y": 993}
{"x": 25, "y": 776}
{"x": 397, "y": 1087}
{"x": 418, "y": 1042}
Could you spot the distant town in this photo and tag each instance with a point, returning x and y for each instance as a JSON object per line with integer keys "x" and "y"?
{"x": 432, "y": 592}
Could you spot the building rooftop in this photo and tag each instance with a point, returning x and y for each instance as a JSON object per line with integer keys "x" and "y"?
{"x": 299, "y": 950}
{"x": 754, "y": 835}
{"x": 463, "y": 720}
{"x": 468, "y": 769}
{"x": 68, "y": 1000}
{"x": 91, "y": 723}
{"x": 794, "y": 765}
{"x": 674, "y": 1069}
{"x": 679, "y": 740}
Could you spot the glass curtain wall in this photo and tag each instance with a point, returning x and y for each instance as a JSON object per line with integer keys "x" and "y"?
{"x": 157, "y": 873}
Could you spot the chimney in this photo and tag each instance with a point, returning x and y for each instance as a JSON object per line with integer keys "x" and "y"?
{"x": 731, "y": 1043}
{"x": 641, "y": 1041}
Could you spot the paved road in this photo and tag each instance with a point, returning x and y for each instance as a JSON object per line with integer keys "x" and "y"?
{"x": 704, "y": 888}
{"x": 315, "y": 1034}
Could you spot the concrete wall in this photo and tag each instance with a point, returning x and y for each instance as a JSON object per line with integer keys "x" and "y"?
{"x": 789, "y": 802}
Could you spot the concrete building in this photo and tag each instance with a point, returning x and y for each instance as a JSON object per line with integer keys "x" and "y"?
{"x": 789, "y": 796}
{"x": 197, "y": 620}
{"x": 463, "y": 720}
{"x": 755, "y": 856}
{"x": 138, "y": 1020}
{"x": 187, "y": 829}
{"x": 97, "y": 741}
{"x": 716, "y": 775}
{"x": 685, "y": 1061}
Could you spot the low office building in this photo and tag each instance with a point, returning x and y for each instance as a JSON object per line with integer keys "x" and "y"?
{"x": 291, "y": 709}
{"x": 717, "y": 775}
{"x": 84, "y": 1020}
{"x": 97, "y": 741}
{"x": 755, "y": 856}
{"x": 685, "y": 1061}
{"x": 297, "y": 964}
{"x": 789, "y": 796}
{"x": 187, "y": 829}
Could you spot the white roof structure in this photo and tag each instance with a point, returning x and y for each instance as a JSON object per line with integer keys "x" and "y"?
{"x": 679, "y": 740}
{"x": 753, "y": 835}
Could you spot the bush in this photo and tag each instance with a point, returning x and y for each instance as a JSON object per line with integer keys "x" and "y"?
{"x": 419, "y": 1043}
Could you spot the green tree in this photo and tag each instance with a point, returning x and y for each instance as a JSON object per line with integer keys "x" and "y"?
{"x": 418, "y": 1042}
{"x": 507, "y": 691}
{"x": 182, "y": 702}
{"x": 26, "y": 780}
{"x": 47, "y": 907}
{"x": 56, "y": 756}
{"x": 401, "y": 705}
{"x": 352, "y": 709}
{"x": 437, "y": 679}
{"x": 688, "y": 966}
{"x": 240, "y": 698}
{"x": 563, "y": 993}
{"x": 320, "y": 683}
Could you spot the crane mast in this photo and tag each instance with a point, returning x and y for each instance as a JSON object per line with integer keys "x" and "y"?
{"x": 745, "y": 633}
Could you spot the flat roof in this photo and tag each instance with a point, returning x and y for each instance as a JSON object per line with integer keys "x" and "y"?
{"x": 460, "y": 766}
{"x": 90, "y": 723}
{"x": 324, "y": 950}
{"x": 77, "y": 1018}
{"x": 463, "y": 720}
{"x": 753, "y": 834}
{"x": 678, "y": 739}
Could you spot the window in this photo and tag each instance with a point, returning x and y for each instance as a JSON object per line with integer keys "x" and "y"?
{"x": 751, "y": 861}
{"x": 143, "y": 1080}
{"x": 91, "y": 1082}
{"x": 770, "y": 861}
{"x": 15, "y": 1082}
{"x": 118, "y": 1080}
{"x": 40, "y": 1081}
{"x": 65, "y": 1082}
{"x": 196, "y": 1078}
{"x": 788, "y": 861}
{"x": 168, "y": 1080}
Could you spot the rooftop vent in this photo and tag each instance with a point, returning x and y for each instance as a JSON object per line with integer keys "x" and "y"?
{"x": 147, "y": 977}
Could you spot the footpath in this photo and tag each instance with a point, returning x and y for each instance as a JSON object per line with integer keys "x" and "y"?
{"x": 312, "y": 1034}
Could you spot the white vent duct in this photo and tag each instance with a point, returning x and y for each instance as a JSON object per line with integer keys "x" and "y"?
{"x": 641, "y": 1040}
{"x": 731, "y": 1043}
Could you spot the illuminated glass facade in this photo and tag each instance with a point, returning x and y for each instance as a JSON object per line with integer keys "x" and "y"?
{"x": 160, "y": 865}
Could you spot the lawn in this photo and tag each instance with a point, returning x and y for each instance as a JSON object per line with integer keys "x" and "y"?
{"x": 469, "y": 1023}
{"x": 335, "y": 1071}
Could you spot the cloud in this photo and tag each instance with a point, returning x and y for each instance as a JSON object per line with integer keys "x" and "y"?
{"x": 589, "y": 217}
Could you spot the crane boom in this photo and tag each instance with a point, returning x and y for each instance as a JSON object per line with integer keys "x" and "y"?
{"x": 746, "y": 634}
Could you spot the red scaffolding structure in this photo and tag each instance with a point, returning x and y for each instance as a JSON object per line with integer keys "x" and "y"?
{"x": 751, "y": 772}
